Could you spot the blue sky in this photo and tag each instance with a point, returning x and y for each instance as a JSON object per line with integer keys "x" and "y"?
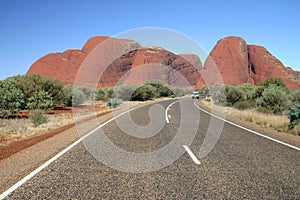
{"x": 31, "y": 29}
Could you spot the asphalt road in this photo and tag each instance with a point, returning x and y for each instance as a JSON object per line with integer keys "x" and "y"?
{"x": 241, "y": 165}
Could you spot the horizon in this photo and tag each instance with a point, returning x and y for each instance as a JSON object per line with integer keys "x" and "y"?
{"x": 33, "y": 29}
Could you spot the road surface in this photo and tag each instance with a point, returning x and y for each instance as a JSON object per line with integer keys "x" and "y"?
{"x": 241, "y": 165}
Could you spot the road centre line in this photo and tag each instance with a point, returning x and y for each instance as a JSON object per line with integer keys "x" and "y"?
{"x": 167, "y": 109}
{"x": 194, "y": 158}
{"x": 246, "y": 129}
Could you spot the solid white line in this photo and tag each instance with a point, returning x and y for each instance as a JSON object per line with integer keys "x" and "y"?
{"x": 246, "y": 129}
{"x": 194, "y": 158}
{"x": 43, "y": 166}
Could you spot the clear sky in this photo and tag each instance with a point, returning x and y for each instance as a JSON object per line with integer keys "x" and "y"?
{"x": 31, "y": 29}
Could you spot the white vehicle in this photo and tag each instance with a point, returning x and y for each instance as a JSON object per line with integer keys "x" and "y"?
{"x": 195, "y": 95}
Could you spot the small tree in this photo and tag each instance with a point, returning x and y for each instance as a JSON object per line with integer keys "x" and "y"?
{"x": 11, "y": 98}
{"x": 273, "y": 100}
{"x": 40, "y": 100}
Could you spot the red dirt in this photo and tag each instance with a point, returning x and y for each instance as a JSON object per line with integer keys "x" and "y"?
{"x": 16, "y": 146}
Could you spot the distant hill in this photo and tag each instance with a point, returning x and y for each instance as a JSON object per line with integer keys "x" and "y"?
{"x": 236, "y": 61}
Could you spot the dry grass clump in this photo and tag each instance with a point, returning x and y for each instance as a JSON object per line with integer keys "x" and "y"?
{"x": 296, "y": 130}
{"x": 277, "y": 122}
{"x": 13, "y": 129}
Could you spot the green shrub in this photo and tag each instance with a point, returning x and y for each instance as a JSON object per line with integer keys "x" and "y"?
{"x": 124, "y": 92}
{"x": 248, "y": 90}
{"x": 218, "y": 95}
{"x": 73, "y": 96}
{"x": 293, "y": 113}
{"x": 87, "y": 91}
{"x": 143, "y": 93}
{"x": 113, "y": 103}
{"x": 11, "y": 98}
{"x": 29, "y": 84}
{"x": 179, "y": 92}
{"x": 273, "y": 100}
{"x": 160, "y": 89}
{"x": 272, "y": 81}
{"x": 104, "y": 94}
{"x": 233, "y": 95}
{"x": 40, "y": 100}
{"x": 37, "y": 117}
{"x": 294, "y": 97}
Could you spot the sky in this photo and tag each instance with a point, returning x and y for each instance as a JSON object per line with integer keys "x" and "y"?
{"x": 31, "y": 29}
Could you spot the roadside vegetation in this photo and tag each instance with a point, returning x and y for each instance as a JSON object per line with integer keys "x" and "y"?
{"x": 269, "y": 104}
{"x": 24, "y": 100}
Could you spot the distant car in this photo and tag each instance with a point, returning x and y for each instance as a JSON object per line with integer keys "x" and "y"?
{"x": 195, "y": 95}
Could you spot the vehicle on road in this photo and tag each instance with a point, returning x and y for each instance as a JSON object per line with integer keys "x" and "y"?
{"x": 195, "y": 95}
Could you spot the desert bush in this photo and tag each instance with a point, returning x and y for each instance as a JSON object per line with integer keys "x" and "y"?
{"x": 124, "y": 92}
{"x": 73, "y": 96}
{"x": 11, "y": 98}
{"x": 37, "y": 117}
{"x": 178, "y": 92}
{"x": 87, "y": 91}
{"x": 113, "y": 103}
{"x": 160, "y": 89}
{"x": 294, "y": 97}
{"x": 29, "y": 84}
{"x": 100, "y": 94}
{"x": 40, "y": 100}
{"x": 218, "y": 95}
{"x": 233, "y": 95}
{"x": 273, "y": 100}
{"x": 293, "y": 113}
{"x": 272, "y": 81}
{"x": 104, "y": 94}
{"x": 144, "y": 92}
{"x": 248, "y": 90}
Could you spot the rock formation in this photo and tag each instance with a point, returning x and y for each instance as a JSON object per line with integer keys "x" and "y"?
{"x": 118, "y": 61}
{"x": 240, "y": 63}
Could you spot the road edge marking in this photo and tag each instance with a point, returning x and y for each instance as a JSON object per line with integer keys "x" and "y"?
{"x": 247, "y": 129}
{"x": 194, "y": 158}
